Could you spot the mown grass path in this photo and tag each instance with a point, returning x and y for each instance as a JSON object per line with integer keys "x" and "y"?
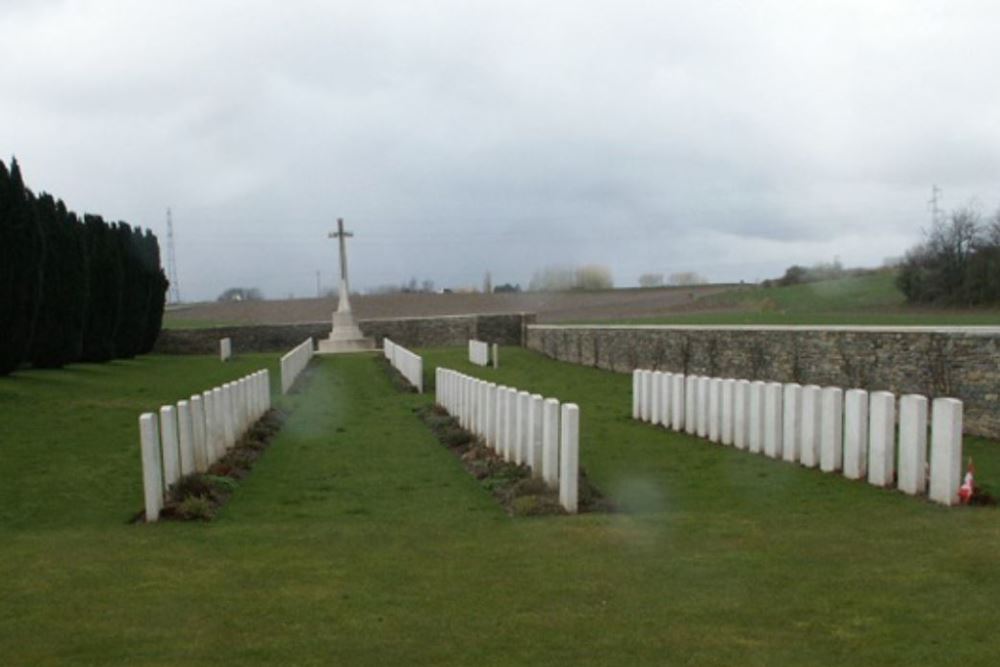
{"x": 360, "y": 540}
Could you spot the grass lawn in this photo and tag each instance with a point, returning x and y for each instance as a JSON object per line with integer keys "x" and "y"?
{"x": 872, "y": 299}
{"x": 358, "y": 539}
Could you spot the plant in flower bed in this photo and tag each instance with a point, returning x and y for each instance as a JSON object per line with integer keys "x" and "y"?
{"x": 510, "y": 483}
{"x": 198, "y": 496}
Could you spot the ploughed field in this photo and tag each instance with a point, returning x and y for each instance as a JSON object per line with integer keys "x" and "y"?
{"x": 871, "y": 299}
{"x": 359, "y": 539}
{"x": 550, "y": 306}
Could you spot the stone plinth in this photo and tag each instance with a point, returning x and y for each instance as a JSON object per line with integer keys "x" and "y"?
{"x": 346, "y": 336}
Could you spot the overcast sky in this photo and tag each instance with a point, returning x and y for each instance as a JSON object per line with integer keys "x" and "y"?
{"x": 728, "y": 138}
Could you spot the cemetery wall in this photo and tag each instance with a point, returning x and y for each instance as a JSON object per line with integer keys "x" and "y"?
{"x": 959, "y": 362}
{"x": 508, "y": 329}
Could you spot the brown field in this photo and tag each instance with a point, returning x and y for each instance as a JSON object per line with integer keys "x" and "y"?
{"x": 550, "y": 306}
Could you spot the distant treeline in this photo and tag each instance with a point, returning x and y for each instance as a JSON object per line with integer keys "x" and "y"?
{"x": 566, "y": 278}
{"x": 72, "y": 289}
{"x": 797, "y": 275}
{"x": 958, "y": 264}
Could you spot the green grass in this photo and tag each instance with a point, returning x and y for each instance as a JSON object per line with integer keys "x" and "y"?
{"x": 360, "y": 540}
{"x": 872, "y": 299}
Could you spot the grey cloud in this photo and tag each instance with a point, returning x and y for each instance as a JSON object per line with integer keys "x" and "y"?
{"x": 459, "y": 137}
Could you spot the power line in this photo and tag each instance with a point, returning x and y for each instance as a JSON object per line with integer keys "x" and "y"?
{"x": 174, "y": 295}
{"x": 932, "y": 204}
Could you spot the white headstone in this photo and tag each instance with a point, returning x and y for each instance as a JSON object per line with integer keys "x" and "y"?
{"x": 691, "y": 404}
{"x": 946, "y": 450}
{"x": 229, "y": 427}
{"x": 185, "y": 437}
{"x": 773, "y": 419}
{"x": 482, "y": 389}
{"x": 812, "y": 426}
{"x": 881, "y": 438}
{"x": 500, "y": 417}
{"x": 511, "y": 412}
{"x": 655, "y": 379}
{"x": 755, "y": 439}
{"x": 856, "y": 434}
{"x": 569, "y": 457}
{"x": 152, "y": 470}
{"x": 727, "y": 408}
{"x": 491, "y": 414}
{"x": 702, "y": 429}
{"x": 666, "y": 385}
{"x": 523, "y": 453}
{"x": 637, "y": 394}
{"x": 535, "y": 432}
{"x": 677, "y": 408}
{"x": 741, "y": 414}
{"x": 913, "y": 444}
{"x": 200, "y": 435}
{"x": 831, "y": 439}
{"x": 647, "y": 390}
{"x": 792, "y": 430}
{"x": 211, "y": 427}
{"x": 550, "y": 442}
{"x": 225, "y": 349}
{"x": 714, "y": 409}
{"x": 170, "y": 446}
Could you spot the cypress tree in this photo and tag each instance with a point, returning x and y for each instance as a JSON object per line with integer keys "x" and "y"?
{"x": 6, "y": 258}
{"x": 21, "y": 272}
{"x": 76, "y": 272}
{"x": 132, "y": 326}
{"x": 72, "y": 290}
{"x": 59, "y": 332}
{"x": 46, "y": 343}
{"x": 156, "y": 295}
{"x": 104, "y": 305}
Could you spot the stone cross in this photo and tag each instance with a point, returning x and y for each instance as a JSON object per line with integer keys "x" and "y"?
{"x": 344, "y": 304}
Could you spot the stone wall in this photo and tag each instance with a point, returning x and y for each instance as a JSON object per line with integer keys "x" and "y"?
{"x": 408, "y": 331}
{"x": 961, "y": 362}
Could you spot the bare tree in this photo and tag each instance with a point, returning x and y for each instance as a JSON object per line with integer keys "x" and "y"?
{"x": 687, "y": 279}
{"x": 651, "y": 280}
{"x": 593, "y": 277}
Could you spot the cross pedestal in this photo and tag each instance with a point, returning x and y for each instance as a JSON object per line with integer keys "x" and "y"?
{"x": 346, "y": 336}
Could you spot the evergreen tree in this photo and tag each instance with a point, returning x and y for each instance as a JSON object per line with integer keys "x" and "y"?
{"x": 46, "y": 341}
{"x": 21, "y": 271}
{"x": 72, "y": 290}
{"x": 76, "y": 269}
{"x": 7, "y": 269}
{"x": 156, "y": 292}
{"x": 132, "y": 320}
{"x": 59, "y": 331}
{"x": 104, "y": 305}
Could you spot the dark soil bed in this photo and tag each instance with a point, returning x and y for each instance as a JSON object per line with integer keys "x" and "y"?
{"x": 197, "y": 497}
{"x": 511, "y": 484}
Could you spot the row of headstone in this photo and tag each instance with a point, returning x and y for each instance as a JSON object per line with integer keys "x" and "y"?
{"x": 410, "y": 365}
{"x": 479, "y": 352}
{"x": 520, "y": 427}
{"x": 194, "y": 434}
{"x": 225, "y": 349}
{"x": 853, "y": 432}
{"x": 294, "y": 362}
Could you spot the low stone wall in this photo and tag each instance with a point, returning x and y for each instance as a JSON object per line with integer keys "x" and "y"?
{"x": 960, "y": 362}
{"x": 408, "y": 331}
